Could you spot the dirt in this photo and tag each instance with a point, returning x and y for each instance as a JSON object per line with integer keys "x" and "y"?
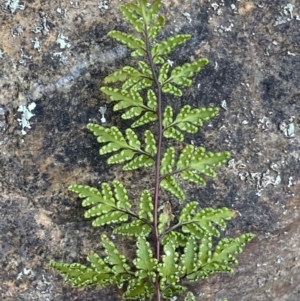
{"x": 253, "y": 48}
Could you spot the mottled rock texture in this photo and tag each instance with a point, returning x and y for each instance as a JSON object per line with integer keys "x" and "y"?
{"x": 255, "y": 69}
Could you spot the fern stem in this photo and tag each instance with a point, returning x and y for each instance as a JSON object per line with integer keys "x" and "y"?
{"x": 158, "y": 159}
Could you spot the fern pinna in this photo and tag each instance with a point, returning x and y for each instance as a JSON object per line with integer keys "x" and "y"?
{"x": 181, "y": 247}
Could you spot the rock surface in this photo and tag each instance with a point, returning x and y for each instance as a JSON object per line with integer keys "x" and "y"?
{"x": 56, "y": 53}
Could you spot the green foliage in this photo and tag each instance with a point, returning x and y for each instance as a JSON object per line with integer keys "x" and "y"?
{"x": 192, "y": 162}
{"x": 127, "y": 147}
{"x": 170, "y": 248}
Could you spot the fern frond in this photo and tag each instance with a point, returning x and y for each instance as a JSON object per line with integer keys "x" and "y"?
{"x": 152, "y": 100}
{"x": 129, "y": 13}
{"x": 163, "y": 73}
{"x": 189, "y": 256}
{"x": 195, "y": 117}
{"x": 180, "y": 75}
{"x": 146, "y": 118}
{"x": 139, "y": 289}
{"x": 123, "y": 74}
{"x": 98, "y": 263}
{"x": 138, "y": 162}
{"x": 106, "y": 218}
{"x": 153, "y": 10}
{"x": 220, "y": 260}
{"x": 171, "y": 89}
{"x": 132, "y": 138}
{"x": 186, "y": 242}
{"x": 165, "y": 47}
{"x": 146, "y": 206}
{"x": 134, "y": 228}
{"x": 116, "y": 142}
{"x": 194, "y": 161}
{"x": 121, "y": 196}
{"x": 201, "y": 222}
{"x": 190, "y": 297}
{"x": 145, "y": 260}
{"x": 194, "y": 230}
{"x": 173, "y": 290}
{"x": 128, "y": 40}
{"x": 170, "y": 184}
{"x": 167, "y": 116}
{"x": 138, "y": 85}
{"x": 132, "y": 112}
{"x": 145, "y": 68}
{"x": 173, "y": 133}
{"x": 121, "y": 157}
{"x": 156, "y": 28}
{"x": 188, "y": 211}
{"x": 107, "y": 206}
{"x": 169, "y": 269}
{"x": 191, "y": 176}
{"x": 167, "y": 161}
{"x": 124, "y": 98}
{"x": 188, "y": 120}
{"x": 80, "y": 275}
{"x": 228, "y": 247}
{"x": 150, "y": 142}
{"x": 114, "y": 258}
{"x": 91, "y": 195}
{"x": 203, "y": 161}
{"x": 175, "y": 238}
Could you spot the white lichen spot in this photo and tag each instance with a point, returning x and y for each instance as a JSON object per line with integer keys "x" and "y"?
{"x": 102, "y": 111}
{"x": 26, "y": 116}
{"x": 171, "y": 63}
{"x": 215, "y": 5}
{"x": 279, "y": 260}
{"x": 12, "y": 6}
{"x": 260, "y": 282}
{"x": 288, "y": 129}
{"x": 75, "y": 4}
{"x": 17, "y": 31}
{"x": 26, "y": 271}
{"x": 103, "y": 5}
{"x": 188, "y": 16}
{"x": 264, "y": 123}
{"x": 36, "y": 44}
{"x": 25, "y": 58}
{"x": 224, "y": 104}
{"x": 44, "y": 27}
{"x": 227, "y": 28}
{"x": 62, "y": 41}
{"x": 1, "y": 54}
{"x": 233, "y": 7}
{"x": 281, "y": 20}
{"x": 290, "y": 182}
{"x": 19, "y": 276}
{"x": 288, "y": 10}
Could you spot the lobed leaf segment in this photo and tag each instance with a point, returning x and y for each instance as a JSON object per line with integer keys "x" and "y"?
{"x": 169, "y": 249}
